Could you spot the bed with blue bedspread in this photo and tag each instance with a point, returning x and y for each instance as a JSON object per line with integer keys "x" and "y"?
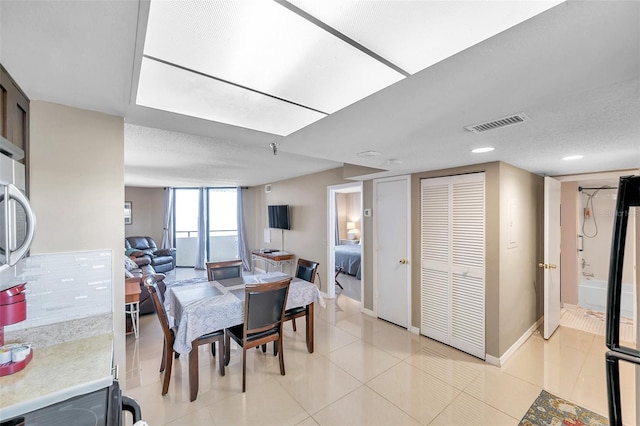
{"x": 348, "y": 258}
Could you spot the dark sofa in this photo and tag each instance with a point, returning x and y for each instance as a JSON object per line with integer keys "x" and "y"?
{"x": 161, "y": 260}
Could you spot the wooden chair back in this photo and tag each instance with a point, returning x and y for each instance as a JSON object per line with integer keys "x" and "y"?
{"x": 306, "y": 270}
{"x": 152, "y": 287}
{"x": 225, "y": 269}
{"x": 264, "y": 306}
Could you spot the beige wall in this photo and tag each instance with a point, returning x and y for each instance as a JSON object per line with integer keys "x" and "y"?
{"x": 77, "y": 189}
{"x": 307, "y": 198}
{"x": 349, "y": 210}
{"x": 367, "y": 246}
{"x": 569, "y": 243}
{"x": 147, "y": 206}
{"x": 521, "y": 248}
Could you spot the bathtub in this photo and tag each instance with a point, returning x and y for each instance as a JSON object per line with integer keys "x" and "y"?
{"x": 592, "y": 295}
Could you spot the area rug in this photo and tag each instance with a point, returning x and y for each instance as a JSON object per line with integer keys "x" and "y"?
{"x": 549, "y": 409}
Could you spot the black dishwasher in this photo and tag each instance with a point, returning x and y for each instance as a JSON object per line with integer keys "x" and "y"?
{"x": 100, "y": 408}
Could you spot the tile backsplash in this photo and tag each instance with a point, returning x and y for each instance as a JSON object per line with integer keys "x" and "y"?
{"x": 66, "y": 286}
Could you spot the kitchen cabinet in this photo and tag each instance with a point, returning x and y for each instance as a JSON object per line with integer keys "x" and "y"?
{"x": 14, "y": 114}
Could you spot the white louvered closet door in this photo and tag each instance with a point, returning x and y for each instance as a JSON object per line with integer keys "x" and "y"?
{"x": 453, "y": 261}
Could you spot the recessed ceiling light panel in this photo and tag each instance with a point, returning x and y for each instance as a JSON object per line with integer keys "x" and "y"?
{"x": 572, "y": 157}
{"x": 176, "y": 90}
{"x": 409, "y": 33}
{"x": 266, "y": 47}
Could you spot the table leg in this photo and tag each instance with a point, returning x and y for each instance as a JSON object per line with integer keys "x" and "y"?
{"x": 135, "y": 318}
{"x": 193, "y": 371}
{"x": 309, "y": 323}
{"x": 133, "y": 310}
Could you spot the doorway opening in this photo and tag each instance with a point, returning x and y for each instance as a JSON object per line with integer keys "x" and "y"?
{"x": 589, "y": 204}
{"x": 344, "y": 238}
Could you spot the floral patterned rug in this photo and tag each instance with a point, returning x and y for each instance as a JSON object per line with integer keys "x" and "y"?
{"x": 549, "y": 409}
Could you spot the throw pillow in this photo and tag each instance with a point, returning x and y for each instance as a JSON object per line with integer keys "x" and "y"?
{"x": 129, "y": 252}
{"x": 128, "y": 274}
{"x": 129, "y": 264}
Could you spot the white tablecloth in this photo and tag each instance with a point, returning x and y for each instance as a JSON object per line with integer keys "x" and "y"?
{"x": 204, "y": 307}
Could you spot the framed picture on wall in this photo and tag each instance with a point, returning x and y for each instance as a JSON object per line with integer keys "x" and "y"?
{"x": 127, "y": 212}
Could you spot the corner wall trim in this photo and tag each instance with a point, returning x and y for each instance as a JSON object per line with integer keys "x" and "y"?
{"x": 498, "y": 362}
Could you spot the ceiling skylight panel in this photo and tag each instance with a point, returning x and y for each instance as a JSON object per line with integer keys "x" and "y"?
{"x": 417, "y": 34}
{"x": 266, "y": 47}
{"x": 176, "y": 90}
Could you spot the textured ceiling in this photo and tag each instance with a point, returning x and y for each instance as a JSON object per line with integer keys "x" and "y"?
{"x": 574, "y": 70}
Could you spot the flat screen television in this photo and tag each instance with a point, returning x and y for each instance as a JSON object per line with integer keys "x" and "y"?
{"x": 279, "y": 217}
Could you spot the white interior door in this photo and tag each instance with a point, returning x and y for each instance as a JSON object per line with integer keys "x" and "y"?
{"x": 453, "y": 261}
{"x": 392, "y": 249}
{"x": 551, "y": 263}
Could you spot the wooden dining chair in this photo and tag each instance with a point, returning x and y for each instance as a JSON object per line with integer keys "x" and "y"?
{"x": 169, "y": 337}
{"x": 306, "y": 270}
{"x": 263, "y": 316}
{"x": 225, "y": 269}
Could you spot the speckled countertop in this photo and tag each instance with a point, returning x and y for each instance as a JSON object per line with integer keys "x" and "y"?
{"x": 56, "y": 373}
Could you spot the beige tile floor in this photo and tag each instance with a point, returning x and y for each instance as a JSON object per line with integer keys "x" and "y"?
{"x": 365, "y": 371}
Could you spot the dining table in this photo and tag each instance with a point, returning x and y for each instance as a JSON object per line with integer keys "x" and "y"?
{"x": 198, "y": 307}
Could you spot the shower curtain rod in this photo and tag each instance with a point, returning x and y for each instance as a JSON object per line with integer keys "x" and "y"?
{"x": 580, "y": 188}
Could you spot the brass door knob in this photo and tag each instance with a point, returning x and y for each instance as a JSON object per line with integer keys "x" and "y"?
{"x": 547, "y": 265}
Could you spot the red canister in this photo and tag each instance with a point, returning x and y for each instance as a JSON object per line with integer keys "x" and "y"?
{"x": 13, "y": 305}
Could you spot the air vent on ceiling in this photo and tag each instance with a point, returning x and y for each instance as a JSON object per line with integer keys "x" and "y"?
{"x": 501, "y": 122}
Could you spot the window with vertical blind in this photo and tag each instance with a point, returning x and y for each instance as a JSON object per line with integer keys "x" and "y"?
{"x": 453, "y": 261}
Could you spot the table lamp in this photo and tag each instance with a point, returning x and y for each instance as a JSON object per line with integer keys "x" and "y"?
{"x": 352, "y": 232}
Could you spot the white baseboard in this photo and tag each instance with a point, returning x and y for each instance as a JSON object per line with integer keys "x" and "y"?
{"x": 489, "y": 359}
{"x": 498, "y": 362}
{"x": 368, "y": 312}
{"x": 415, "y": 330}
{"x": 569, "y": 306}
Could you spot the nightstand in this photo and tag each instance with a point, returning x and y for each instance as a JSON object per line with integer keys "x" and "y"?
{"x": 349, "y": 242}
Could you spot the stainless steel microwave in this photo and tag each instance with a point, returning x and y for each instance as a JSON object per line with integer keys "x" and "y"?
{"x": 17, "y": 220}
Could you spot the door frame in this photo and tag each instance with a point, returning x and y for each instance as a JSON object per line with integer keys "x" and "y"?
{"x": 331, "y": 235}
{"x": 376, "y": 182}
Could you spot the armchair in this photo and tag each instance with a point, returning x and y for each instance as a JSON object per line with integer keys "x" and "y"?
{"x": 162, "y": 260}
{"x": 135, "y": 270}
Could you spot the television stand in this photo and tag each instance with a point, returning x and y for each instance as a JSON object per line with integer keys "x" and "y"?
{"x": 275, "y": 259}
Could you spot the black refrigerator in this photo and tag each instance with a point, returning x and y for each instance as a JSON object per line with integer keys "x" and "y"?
{"x": 628, "y": 196}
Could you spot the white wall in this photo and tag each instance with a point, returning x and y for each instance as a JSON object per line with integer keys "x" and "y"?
{"x": 77, "y": 189}
{"x": 349, "y": 210}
